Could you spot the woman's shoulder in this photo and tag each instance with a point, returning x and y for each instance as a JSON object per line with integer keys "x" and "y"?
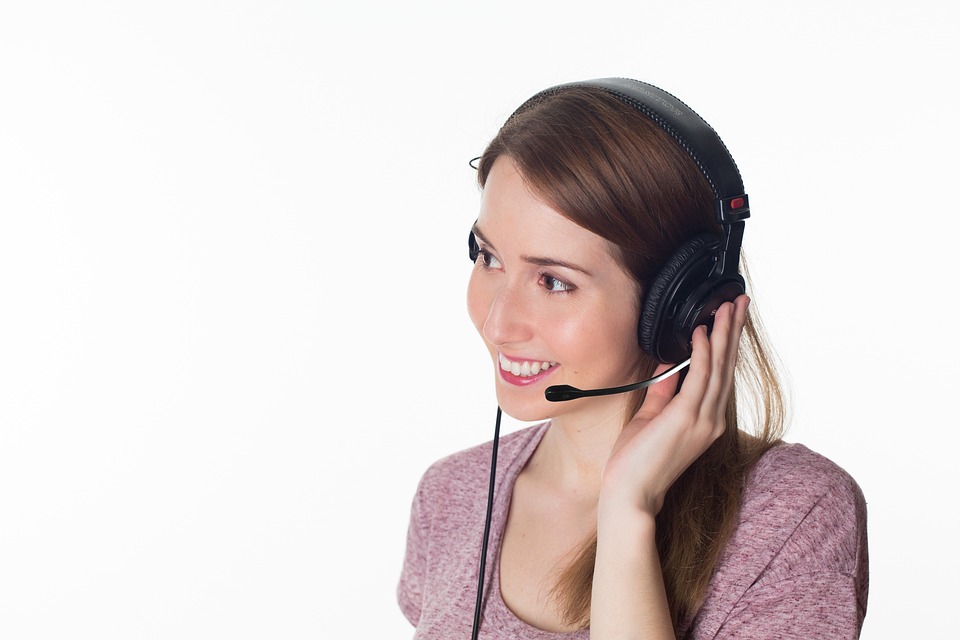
{"x": 789, "y": 463}
{"x": 791, "y": 477}
{"x": 804, "y": 507}
{"x": 800, "y": 540}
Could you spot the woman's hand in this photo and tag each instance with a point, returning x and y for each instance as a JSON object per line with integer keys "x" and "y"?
{"x": 671, "y": 430}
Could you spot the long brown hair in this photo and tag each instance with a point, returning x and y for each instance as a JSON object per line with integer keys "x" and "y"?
{"x": 608, "y": 168}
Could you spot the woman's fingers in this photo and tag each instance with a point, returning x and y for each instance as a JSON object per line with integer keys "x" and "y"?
{"x": 736, "y": 331}
{"x": 719, "y": 345}
{"x": 659, "y": 394}
{"x": 724, "y": 343}
{"x": 698, "y": 375}
{"x": 709, "y": 380}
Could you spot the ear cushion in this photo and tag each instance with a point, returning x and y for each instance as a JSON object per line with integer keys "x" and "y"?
{"x": 664, "y": 291}
{"x": 474, "y": 247}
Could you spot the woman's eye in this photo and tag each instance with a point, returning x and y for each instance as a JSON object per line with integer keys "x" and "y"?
{"x": 486, "y": 260}
{"x": 554, "y": 285}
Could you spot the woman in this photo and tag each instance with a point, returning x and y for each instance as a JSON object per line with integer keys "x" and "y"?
{"x": 650, "y": 514}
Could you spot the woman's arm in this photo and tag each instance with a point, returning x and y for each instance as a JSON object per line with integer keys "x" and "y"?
{"x": 667, "y": 435}
{"x": 629, "y": 600}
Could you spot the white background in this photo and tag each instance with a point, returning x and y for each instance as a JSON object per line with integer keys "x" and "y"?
{"x": 232, "y": 270}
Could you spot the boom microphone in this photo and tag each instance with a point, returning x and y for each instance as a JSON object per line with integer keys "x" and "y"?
{"x": 564, "y": 392}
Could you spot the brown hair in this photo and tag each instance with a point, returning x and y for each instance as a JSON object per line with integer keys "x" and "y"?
{"x": 608, "y": 168}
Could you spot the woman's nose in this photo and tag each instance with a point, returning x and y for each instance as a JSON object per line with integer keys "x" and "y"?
{"x": 508, "y": 320}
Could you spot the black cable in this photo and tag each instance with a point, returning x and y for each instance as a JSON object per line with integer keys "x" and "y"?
{"x": 486, "y": 529}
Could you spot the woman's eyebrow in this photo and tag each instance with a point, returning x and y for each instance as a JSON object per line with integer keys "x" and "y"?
{"x": 540, "y": 262}
{"x": 552, "y": 262}
{"x": 476, "y": 231}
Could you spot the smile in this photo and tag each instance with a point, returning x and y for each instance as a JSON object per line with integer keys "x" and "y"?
{"x": 524, "y": 368}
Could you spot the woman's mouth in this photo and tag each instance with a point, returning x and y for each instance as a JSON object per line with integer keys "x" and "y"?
{"x": 522, "y": 372}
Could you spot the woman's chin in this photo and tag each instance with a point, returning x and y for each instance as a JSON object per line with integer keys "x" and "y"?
{"x": 530, "y": 409}
{"x": 527, "y": 417}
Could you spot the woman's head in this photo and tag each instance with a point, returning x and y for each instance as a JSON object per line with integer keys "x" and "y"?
{"x": 611, "y": 174}
{"x": 612, "y": 183}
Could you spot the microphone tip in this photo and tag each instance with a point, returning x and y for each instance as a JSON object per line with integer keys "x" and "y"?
{"x": 561, "y": 393}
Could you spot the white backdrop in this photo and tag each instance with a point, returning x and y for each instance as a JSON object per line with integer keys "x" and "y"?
{"x": 232, "y": 271}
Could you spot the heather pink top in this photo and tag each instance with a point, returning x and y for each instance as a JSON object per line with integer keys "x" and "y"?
{"x": 796, "y": 567}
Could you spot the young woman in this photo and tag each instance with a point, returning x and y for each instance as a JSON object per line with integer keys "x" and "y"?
{"x": 651, "y": 514}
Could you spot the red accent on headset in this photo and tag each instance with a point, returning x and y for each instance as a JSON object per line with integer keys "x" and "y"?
{"x": 736, "y": 203}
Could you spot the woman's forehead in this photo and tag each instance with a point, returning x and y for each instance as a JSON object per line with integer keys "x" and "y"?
{"x": 513, "y": 218}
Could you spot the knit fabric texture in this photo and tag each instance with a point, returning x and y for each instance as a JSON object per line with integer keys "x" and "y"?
{"x": 795, "y": 567}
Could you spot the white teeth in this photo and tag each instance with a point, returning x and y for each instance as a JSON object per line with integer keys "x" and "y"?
{"x": 524, "y": 368}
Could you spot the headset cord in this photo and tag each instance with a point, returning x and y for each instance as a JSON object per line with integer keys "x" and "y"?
{"x": 486, "y": 529}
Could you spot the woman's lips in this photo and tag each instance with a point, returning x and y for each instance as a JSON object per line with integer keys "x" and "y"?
{"x": 524, "y": 372}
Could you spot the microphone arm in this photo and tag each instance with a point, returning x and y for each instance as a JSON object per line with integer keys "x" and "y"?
{"x": 564, "y": 392}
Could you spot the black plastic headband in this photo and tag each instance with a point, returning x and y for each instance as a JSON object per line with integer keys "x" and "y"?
{"x": 688, "y": 129}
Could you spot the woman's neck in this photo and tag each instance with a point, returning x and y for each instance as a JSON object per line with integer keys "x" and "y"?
{"x": 577, "y": 445}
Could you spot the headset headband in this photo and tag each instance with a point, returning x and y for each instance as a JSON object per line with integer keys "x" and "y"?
{"x": 689, "y": 130}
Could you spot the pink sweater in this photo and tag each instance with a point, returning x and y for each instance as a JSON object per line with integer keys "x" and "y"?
{"x": 796, "y": 567}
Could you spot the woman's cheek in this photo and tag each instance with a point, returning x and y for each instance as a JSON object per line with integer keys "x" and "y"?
{"x": 478, "y": 304}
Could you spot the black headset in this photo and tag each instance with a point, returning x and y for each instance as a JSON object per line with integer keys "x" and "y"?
{"x": 702, "y": 273}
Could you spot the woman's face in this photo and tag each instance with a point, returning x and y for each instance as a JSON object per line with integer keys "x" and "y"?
{"x": 549, "y": 300}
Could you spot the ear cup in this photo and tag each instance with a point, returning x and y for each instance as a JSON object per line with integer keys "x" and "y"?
{"x": 684, "y": 272}
{"x": 474, "y": 247}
